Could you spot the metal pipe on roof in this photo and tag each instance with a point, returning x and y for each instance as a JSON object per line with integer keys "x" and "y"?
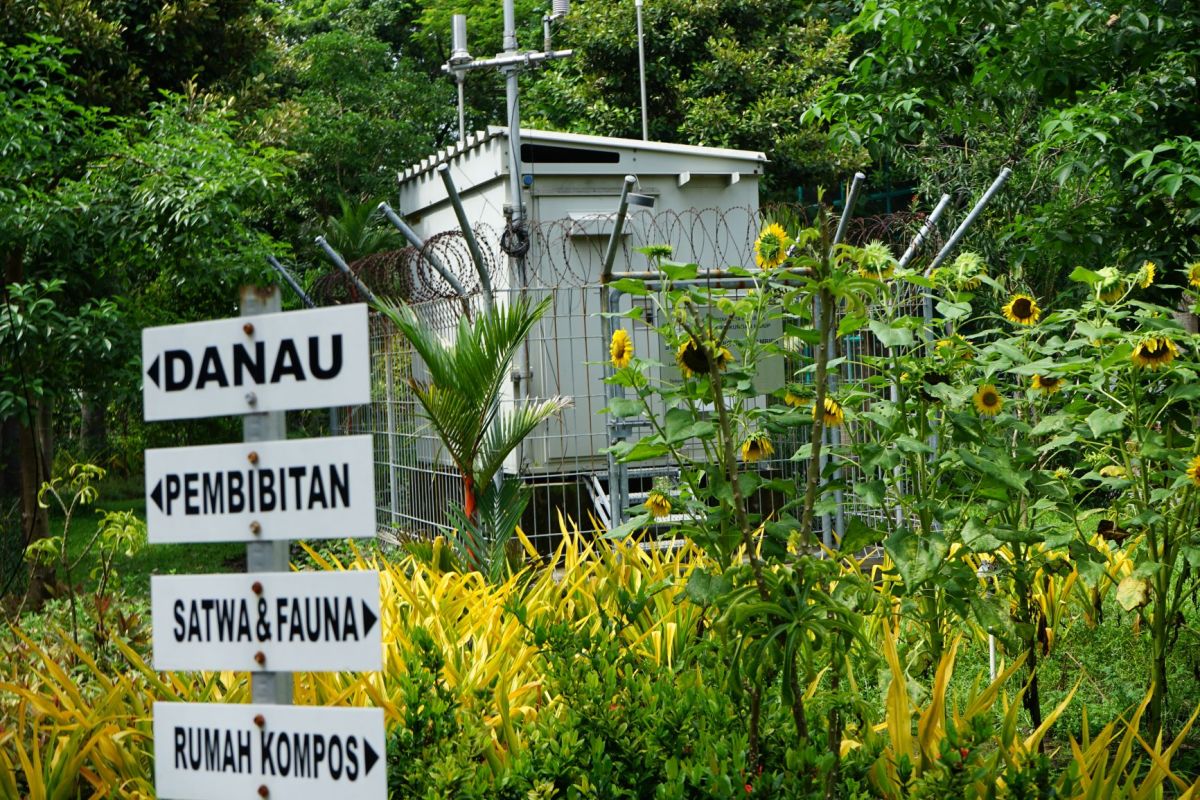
{"x": 341, "y": 264}
{"x": 919, "y": 240}
{"x": 485, "y": 281}
{"x": 413, "y": 239}
{"x": 610, "y": 252}
{"x": 291, "y": 281}
{"x": 851, "y": 199}
{"x": 961, "y": 231}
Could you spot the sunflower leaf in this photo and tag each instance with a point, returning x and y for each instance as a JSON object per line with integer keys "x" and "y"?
{"x": 623, "y": 407}
{"x": 1103, "y": 422}
{"x": 890, "y": 335}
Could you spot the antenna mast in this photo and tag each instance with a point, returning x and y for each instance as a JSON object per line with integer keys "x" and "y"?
{"x": 510, "y": 62}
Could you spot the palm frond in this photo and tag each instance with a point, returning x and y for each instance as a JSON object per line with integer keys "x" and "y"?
{"x": 509, "y": 430}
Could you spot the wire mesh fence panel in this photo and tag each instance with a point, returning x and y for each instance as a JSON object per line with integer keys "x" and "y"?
{"x": 562, "y": 462}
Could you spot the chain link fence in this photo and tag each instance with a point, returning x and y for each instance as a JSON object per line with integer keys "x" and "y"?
{"x": 565, "y": 355}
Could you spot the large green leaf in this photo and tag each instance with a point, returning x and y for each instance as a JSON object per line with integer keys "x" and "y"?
{"x": 1103, "y": 422}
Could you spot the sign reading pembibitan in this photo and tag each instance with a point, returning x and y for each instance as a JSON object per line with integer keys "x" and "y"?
{"x": 268, "y": 362}
{"x": 298, "y": 489}
{"x": 221, "y": 751}
{"x": 275, "y": 621}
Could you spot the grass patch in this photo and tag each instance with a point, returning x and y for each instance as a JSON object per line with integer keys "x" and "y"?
{"x": 133, "y": 572}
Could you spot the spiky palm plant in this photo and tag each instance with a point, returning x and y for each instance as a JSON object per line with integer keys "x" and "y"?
{"x": 355, "y": 232}
{"x": 460, "y": 402}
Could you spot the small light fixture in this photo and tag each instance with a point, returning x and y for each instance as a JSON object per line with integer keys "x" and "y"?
{"x": 643, "y": 200}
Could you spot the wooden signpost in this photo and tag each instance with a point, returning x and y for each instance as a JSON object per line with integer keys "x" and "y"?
{"x": 264, "y": 491}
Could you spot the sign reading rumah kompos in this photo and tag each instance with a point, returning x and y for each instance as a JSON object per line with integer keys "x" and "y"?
{"x": 297, "y": 489}
{"x": 269, "y": 362}
{"x": 276, "y": 621}
{"x": 215, "y": 750}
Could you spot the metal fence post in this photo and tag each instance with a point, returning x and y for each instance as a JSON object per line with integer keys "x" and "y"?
{"x": 272, "y": 556}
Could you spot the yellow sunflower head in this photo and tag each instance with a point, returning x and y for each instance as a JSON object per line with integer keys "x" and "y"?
{"x": 876, "y": 261}
{"x": 658, "y": 504}
{"x": 795, "y": 400}
{"x": 620, "y": 349}
{"x": 770, "y": 248}
{"x": 693, "y": 359}
{"x": 834, "y": 414}
{"x": 1062, "y": 473}
{"x": 1193, "y": 274}
{"x": 757, "y": 447}
{"x": 1047, "y": 384}
{"x": 1154, "y": 352}
{"x": 1022, "y": 309}
{"x": 1145, "y": 276}
{"x": 1193, "y": 470}
{"x": 988, "y": 401}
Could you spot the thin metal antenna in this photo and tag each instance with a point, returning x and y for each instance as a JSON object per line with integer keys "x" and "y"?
{"x": 642, "y": 68}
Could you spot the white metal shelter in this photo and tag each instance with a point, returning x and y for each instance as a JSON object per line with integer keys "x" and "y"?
{"x": 705, "y": 207}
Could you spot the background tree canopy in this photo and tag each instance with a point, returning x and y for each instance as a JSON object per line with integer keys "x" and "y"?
{"x": 1092, "y": 104}
{"x": 153, "y": 153}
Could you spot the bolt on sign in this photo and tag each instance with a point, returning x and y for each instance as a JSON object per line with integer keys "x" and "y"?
{"x": 218, "y": 751}
{"x": 258, "y": 491}
{"x": 269, "y": 362}
{"x": 276, "y": 621}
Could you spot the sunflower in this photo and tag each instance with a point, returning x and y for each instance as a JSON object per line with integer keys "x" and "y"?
{"x": 1047, "y": 383}
{"x": 1193, "y": 470}
{"x": 1193, "y": 272}
{"x": 658, "y": 504}
{"x": 967, "y": 270}
{"x": 621, "y": 348}
{"x": 1112, "y": 471}
{"x": 1154, "y": 352}
{"x": 757, "y": 447}
{"x": 794, "y": 400}
{"x": 770, "y": 248}
{"x": 1146, "y": 275}
{"x": 693, "y": 359}
{"x": 1062, "y": 473}
{"x": 877, "y": 261}
{"x": 929, "y": 379}
{"x": 988, "y": 401}
{"x": 834, "y": 415}
{"x": 1022, "y": 309}
{"x": 1111, "y": 286}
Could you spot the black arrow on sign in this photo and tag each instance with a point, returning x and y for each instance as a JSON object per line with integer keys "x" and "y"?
{"x": 368, "y": 618}
{"x": 153, "y": 371}
{"x": 156, "y": 495}
{"x": 372, "y": 756}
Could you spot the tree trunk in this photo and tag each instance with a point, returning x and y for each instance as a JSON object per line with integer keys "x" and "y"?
{"x": 94, "y": 426}
{"x": 32, "y": 441}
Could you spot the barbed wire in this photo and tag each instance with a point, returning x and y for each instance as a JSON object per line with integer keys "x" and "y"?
{"x": 570, "y": 251}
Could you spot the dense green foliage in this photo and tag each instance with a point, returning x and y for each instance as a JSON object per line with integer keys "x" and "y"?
{"x": 1094, "y": 106}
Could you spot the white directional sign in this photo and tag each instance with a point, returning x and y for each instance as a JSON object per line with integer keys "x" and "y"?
{"x": 298, "y": 489}
{"x": 277, "y": 621}
{"x": 219, "y": 751}
{"x": 268, "y": 362}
